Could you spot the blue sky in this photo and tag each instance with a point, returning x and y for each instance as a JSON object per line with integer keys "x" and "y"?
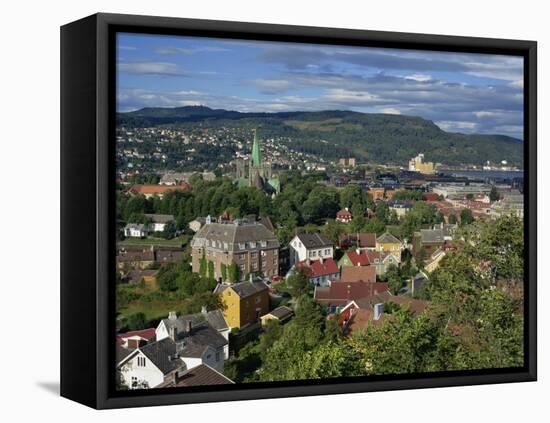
{"x": 459, "y": 92}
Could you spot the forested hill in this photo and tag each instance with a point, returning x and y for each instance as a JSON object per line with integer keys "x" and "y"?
{"x": 380, "y": 138}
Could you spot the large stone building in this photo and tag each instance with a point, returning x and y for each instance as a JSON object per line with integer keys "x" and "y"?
{"x": 250, "y": 246}
{"x": 417, "y": 164}
{"x": 260, "y": 174}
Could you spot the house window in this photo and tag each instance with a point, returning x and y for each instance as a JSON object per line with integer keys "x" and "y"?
{"x": 141, "y": 361}
{"x": 242, "y": 267}
{"x": 263, "y": 243}
{"x": 258, "y": 299}
{"x": 254, "y": 255}
{"x": 252, "y": 245}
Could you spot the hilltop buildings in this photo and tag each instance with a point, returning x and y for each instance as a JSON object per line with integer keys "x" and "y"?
{"x": 260, "y": 174}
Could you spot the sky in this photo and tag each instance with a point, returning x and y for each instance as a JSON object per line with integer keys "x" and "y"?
{"x": 460, "y": 92}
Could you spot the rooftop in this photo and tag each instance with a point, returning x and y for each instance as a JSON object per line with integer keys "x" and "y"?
{"x": 314, "y": 240}
{"x": 197, "y": 376}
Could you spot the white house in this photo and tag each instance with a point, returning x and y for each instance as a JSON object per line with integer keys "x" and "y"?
{"x": 159, "y": 221}
{"x": 310, "y": 246}
{"x": 135, "y": 230}
{"x": 149, "y": 365}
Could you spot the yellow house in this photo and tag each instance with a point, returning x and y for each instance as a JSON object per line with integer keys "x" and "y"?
{"x": 387, "y": 243}
{"x": 244, "y": 303}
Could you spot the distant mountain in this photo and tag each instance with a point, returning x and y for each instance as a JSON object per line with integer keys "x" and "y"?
{"x": 380, "y": 138}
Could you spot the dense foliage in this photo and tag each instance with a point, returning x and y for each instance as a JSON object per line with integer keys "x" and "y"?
{"x": 474, "y": 321}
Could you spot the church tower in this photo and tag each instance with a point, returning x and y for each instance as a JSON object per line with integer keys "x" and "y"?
{"x": 256, "y": 152}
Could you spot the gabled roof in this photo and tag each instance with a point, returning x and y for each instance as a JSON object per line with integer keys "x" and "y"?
{"x": 136, "y": 226}
{"x": 317, "y": 268}
{"x": 243, "y": 289}
{"x": 315, "y": 240}
{"x": 228, "y": 236}
{"x": 146, "y": 334}
{"x": 200, "y": 375}
{"x": 280, "y": 313}
{"x": 358, "y": 273}
{"x": 432, "y": 236}
{"x": 122, "y": 352}
{"x": 387, "y": 238}
{"x": 364, "y": 239}
{"x": 163, "y": 355}
{"x": 340, "y": 293}
{"x": 360, "y": 258}
{"x": 201, "y": 337}
{"x": 379, "y": 255}
{"x": 414, "y": 305}
{"x": 215, "y": 318}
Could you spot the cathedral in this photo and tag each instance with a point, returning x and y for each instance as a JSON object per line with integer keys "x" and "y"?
{"x": 259, "y": 172}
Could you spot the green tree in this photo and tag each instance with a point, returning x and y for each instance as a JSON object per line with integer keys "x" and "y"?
{"x": 494, "y": 194}
{"x": 224, "y": 272}
{"x": 298, "y": 283}
{"x": 136, "y": 321}
{"x": 210, "y": 269}
{"x": 466, "y": 217}
{"x": 234, "y": 273}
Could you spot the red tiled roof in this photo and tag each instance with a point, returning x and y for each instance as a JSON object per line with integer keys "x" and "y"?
{"x": 430, "y": 196}
{"x": 147, "y": 334}
{"x": 358, "y": 258}
{"x": 361, "y": 239}
{"x": 316, "y": 268}
{"x": 343, "y": 213}
{"x": 340, "y": 293}
{"x": 358, "y": 273}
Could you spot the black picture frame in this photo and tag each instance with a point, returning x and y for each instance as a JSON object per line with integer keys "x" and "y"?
{"x": 87, "y": 208}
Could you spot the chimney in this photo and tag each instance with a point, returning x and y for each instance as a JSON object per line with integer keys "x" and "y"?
{"x": 378, "y": 310}
{"x": 172, "y": 315}
{"x": 173, "y": 333}
{"x": 189, "y": 326}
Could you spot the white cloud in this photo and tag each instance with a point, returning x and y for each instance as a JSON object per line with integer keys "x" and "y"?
{"x": 390, "y": 111}
{"x": 419, "y": 77}
{"x": 151, "y": 68}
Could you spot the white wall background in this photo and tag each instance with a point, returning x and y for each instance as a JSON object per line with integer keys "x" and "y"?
{"x": 29, "y": 163}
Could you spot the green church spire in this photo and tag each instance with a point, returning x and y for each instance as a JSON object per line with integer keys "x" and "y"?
{"x": 256, "y": 153}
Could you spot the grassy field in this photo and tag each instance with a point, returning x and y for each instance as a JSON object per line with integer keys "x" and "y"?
{"x": 175, "y": 242}
{"x": 154, "y": 310}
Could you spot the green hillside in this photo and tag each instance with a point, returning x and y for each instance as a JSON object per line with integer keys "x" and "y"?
{"x": 378, "y": 138}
